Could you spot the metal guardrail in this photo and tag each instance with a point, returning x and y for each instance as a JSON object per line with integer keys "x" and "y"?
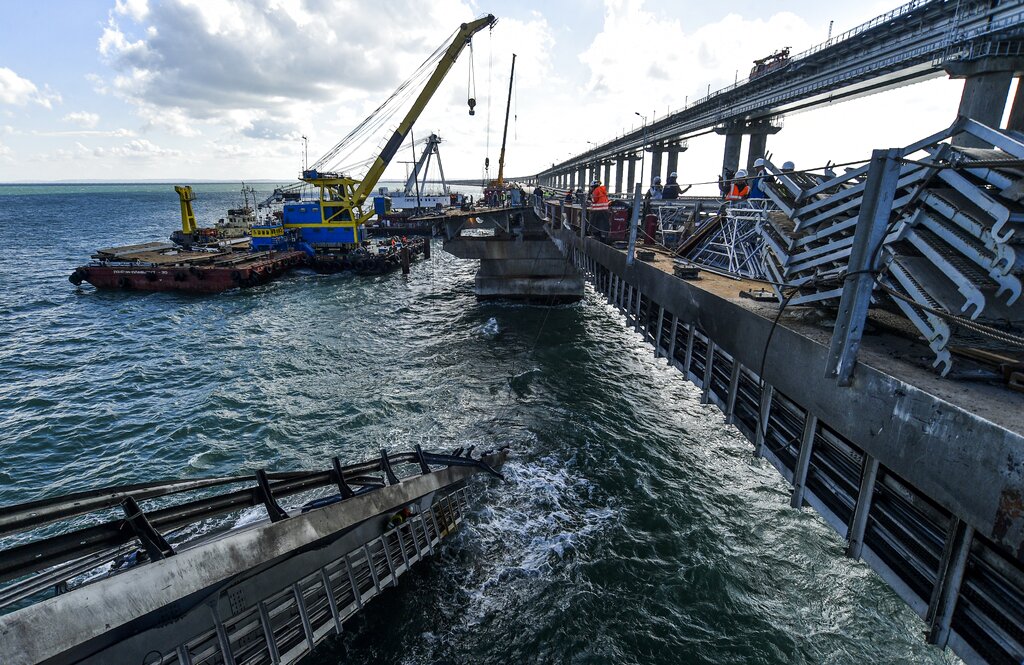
{"x": 287, "y": 623}
{"x": 53, "y": 561}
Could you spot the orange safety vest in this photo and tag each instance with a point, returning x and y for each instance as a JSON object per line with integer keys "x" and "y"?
{"x": 736, "y": 192}
{"x": 600, "y": 197}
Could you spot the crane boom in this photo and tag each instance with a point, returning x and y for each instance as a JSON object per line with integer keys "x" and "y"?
{"x": 342, "y": 197}
{"x": 462, "y": 38}
{"x": 504, "y": 133}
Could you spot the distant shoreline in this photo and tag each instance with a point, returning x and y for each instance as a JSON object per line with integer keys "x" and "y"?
{"x": 261, "y": 181}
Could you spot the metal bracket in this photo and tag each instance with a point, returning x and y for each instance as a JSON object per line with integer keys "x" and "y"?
{"x": 872, "y": 223}
{"x": 423, "y": 463}
{"x": 274, "y": 510}
{"x": 339, "y": 477}
{"x": 155, "y": 545}
{"x": 385, "y": 466}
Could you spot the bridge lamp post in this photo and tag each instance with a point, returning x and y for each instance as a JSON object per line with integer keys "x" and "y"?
{"x": 643, "y": 148}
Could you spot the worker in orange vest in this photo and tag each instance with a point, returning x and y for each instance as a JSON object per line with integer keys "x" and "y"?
{"x": 740, "y": 189}
{"x": 598, "y": 195}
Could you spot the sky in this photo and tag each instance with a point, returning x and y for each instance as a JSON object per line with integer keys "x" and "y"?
{"x": 184, "y": 90}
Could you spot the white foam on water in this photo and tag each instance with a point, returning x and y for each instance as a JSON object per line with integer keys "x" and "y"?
{"x": 532, "y": 533}
{"x": 491, "y": 329}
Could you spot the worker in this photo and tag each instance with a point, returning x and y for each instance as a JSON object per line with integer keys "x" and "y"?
{"x": 723, "y": 181}
{"x": 538, "y": 196}
{"x": 579, "y": 194}
{"x": 568, "y": 196}
{"x": 757, "y": 183}
{"x": 599, "y": 220}
{"x": 656, "y": 191}
{"x": 672, "y": 189}
{"x": 739, "y": 189}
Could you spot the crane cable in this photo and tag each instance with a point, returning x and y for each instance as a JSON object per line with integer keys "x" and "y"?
{"x": 487, "y": 149}
{"x": 361, "y": 132}
{"x": 471, "y": 80}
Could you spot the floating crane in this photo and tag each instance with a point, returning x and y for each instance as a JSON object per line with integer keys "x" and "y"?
{"x": 336, "y": 218}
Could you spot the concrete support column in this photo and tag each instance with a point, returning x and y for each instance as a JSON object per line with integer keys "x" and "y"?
{"x": 731, "y": 158}
{"x": 756, "y": 149}
{"x": 619, "y": 165}
{"x": 581, "y": 180}
{"x": 673, "y": 158}
{"x": 986, "y": 86}
{"x": 656, "y": 152}
{"x": 983, "y": 99}
{"x": 606, "y": 180}
{"x": 631, "y": 176}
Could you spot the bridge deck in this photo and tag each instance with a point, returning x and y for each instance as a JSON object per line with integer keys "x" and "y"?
{"x": 921, "y": 475}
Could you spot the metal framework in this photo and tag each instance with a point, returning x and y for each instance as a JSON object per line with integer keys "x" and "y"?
{"x": 732, "y": 244}
{"x": 938, "y": 238}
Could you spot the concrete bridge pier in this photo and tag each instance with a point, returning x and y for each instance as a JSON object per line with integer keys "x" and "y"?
{"x": 759, "y": 132}
{"x": 520, "y": 261}
{"x": 631, "y": 175}
{"x": 673, "y": 151}
{"x": 606, "y": 180}
{"x": 986, "y": 87}
{"x": 656, "y": 152}
{"x": 620, "y": 163}
{"x": 733, "y": 145}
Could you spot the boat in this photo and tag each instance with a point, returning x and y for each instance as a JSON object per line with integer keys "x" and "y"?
{"x": 160, "y": 266}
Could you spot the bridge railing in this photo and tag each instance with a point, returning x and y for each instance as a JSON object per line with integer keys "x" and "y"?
{"x": 48, "y": 545}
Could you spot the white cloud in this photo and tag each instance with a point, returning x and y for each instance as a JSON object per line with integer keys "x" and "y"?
{"x": 82, "y": 119}
{"x": 5, "y": 152}
{"x": 195, "y": 63}
{"x": 115, "y": 133}
{"x": 136, "y": 9}
{"x": 141, "y": 149}
{"x": 20, "y": 91}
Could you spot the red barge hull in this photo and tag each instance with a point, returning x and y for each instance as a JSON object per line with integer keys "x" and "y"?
{"x": 235, "y": 272}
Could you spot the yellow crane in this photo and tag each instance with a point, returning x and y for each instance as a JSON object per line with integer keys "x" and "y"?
{"x": 188, "y": 218}
{"x": 342, "y": 197}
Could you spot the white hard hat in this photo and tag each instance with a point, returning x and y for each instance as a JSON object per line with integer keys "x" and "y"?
{"x": 596, "y": 182}
{"x": 758, "y": 162}
{"x": 657, "y": 178}
{"x": 672, "y": 175}
{"x": 788, "y": 166}
{"x": 741, "y": 174}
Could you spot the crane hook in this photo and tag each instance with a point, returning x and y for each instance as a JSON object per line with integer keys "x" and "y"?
{"x": 472, "y": 103}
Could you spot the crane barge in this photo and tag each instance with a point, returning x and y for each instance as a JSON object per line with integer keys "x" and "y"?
{"x": 327, "y": 233}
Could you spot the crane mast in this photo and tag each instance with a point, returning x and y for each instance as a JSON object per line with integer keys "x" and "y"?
{"x": 504, "y": 133}
{"x": 341, "y": 197}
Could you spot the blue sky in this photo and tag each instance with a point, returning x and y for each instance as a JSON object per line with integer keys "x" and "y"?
{"x": 223, "y": 89}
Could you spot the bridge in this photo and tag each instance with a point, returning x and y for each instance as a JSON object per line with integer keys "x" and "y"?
{"x": 980, "y": 42}
{"x": 920, "y": 475}
{"x": 148, "y": 586}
